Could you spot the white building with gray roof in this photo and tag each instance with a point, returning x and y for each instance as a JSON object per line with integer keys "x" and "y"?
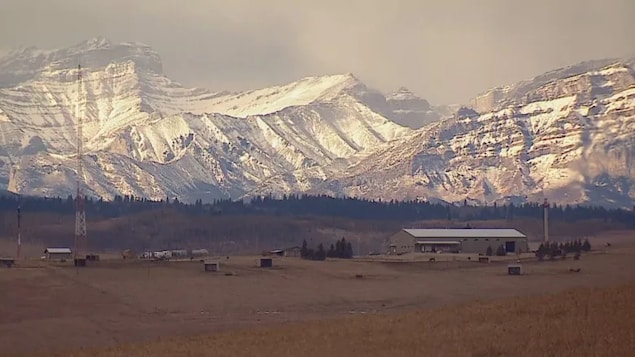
{"x": 58, "y": 253}
{"x": 457, "y": 240}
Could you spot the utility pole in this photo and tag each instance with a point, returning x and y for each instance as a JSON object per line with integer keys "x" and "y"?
{"x": 13, "y": 186}
{"x": 545, "y": 221}
{"x": 19, "y": 248}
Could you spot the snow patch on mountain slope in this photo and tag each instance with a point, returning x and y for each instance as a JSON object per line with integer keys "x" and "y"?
{"x": 574, "y": 147}
{"x": 271, "y": 100}
{"x": 568, "y": 132}
{"x": 544, "y": 114}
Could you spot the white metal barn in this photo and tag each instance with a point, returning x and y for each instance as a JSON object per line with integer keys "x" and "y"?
{"x": 457, "y": 240}
{"x": 164, "y": 254}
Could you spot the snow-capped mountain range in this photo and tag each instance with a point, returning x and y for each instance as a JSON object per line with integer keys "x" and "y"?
{"x": 568, "y": 135}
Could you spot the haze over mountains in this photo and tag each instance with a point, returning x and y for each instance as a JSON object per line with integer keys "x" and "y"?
{"x": 568, "y": 134}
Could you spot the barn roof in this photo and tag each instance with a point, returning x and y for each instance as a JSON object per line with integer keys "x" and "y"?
{"x": 57, "y": 250}
{"x": 280, "y": 250}
{"x": 465, "y": 233}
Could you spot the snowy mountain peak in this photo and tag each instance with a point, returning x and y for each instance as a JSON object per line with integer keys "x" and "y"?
{"x": 22, "y": 65}
{"x": 329, "y": 83}
{"x": 567, "y": 134}
{"x": 270, "y": 100}
{"x": 149, "y": 136}
{"x": 578, "y": 78}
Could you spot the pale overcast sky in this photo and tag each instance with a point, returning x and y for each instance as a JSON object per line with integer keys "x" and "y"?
{"x": 446, "y": 51}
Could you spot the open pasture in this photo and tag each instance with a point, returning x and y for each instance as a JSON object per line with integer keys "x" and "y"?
{"x": 46, "y": 307}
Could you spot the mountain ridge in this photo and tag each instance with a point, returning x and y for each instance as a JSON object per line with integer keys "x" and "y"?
{"x": 212, "y": 143}
{"x": 566, "y": 134}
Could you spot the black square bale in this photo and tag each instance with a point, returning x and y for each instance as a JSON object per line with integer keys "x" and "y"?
{"x": 7, "y": 262}
{"x": 514, "y": 269}
{"x": 265, "y": 262}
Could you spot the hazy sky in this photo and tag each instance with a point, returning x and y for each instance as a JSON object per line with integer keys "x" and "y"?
{"x": 446, "y": 50}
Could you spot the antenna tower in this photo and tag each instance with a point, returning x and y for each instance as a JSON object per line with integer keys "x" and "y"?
{"x": 81, "y": 244}
{"x": 12, "y": 186}
{"x": 545, "y": 221}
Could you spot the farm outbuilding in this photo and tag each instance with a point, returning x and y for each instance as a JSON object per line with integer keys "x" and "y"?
{"x": 265, "y": 262}
{"x": 92, "y": 257}
{"x": 292, "y": 251}
{"x": 457, "y": 240}
{"x": 179, "y": 253}
{"x": 199, "y": 253}
{"x": 211, "y": 266}
{"x": 514, "y": 269}
{"x": 8, "y": 262}
{"x": 285, "y": 252}
{"x": 58, "y": 253}
{"x": 163, "y": 254}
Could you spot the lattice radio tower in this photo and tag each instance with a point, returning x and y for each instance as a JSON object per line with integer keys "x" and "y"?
{"x": 13, "y": 186}
{"x": 545, "y": 222}
{"x": 81, "y": 243}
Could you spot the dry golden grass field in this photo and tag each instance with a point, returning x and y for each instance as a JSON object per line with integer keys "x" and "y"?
{"x": 135, "y": 308}
{"x": 576, "y": 322}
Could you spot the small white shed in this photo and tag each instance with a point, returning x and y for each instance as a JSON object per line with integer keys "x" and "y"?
{"x": 58, "y": 253}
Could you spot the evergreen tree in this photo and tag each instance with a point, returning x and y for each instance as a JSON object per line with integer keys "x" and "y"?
{"x": 553, "y": 250}
{"x": 320, "y": 254}
{"x": 339, "y": 249}
{"x": 331, "y": 252}
{"x": 488, "y": 252}
{"x": 349, "y": 251}
{"x": 304, "y": 249}
{"x": 541, "y": 252}
{"x": 586, "y": 246}
{"x": 577, "y": 247}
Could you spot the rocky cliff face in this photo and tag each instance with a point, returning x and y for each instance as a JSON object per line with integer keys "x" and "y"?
{"x": 149, "y": 136}
{"x": 582, "y": 78}
{"x": 566, "y": 135}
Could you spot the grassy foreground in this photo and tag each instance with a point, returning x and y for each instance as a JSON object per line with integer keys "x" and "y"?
{"x": 580, "y": 322}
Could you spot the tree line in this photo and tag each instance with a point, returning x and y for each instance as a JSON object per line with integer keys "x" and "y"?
{"x": 554, "y": 249}
{"x": 341, "y": 249}
{"x": 322, "y": 205}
